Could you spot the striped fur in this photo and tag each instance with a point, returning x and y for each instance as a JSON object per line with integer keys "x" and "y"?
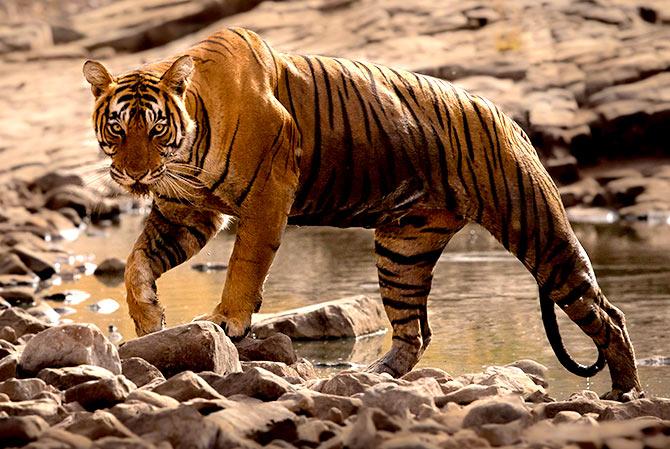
{"x": 275, "y": 138}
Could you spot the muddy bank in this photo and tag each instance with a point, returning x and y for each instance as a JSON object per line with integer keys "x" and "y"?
{"x": 186, "y": 387}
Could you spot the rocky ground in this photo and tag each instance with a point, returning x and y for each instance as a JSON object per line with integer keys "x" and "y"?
{"x": 68, "y": 386}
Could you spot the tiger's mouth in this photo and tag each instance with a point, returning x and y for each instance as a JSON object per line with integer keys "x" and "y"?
{"x": 138, "y": 189}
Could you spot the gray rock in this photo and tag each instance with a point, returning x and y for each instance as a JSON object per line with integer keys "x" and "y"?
{"x": 10, "y": 263}
{"x": 139, "y": 371}
{"x": 60, "y": 438}
{"x": 8, "y": 335}
{"x": 112, "y": 266}
{"x": 348, "y": 383}
{"x": 502, "y": 434}
{"x": 70, "y": 345}
{"x": 39, "y": 262}
{"x": 72, "y": 196}
{"x": 313, "y": 432}
{"x": 103, "y": 393}
{"x": 187, "y": 385}
{"x": 123, "y": 443}
{"x": 494, "y": 411}
{"x": 183, "y": 427}
{"x": 54, "y": 180}
{"x": 280, "y": 369}
{"x": 347, "y": 317}
{"x": 468, "y": 394}
{"x": 19, "y": 296}
{"x": 67, "y": 377}
{"x": 275, "y": 348}
{"x": 398, "y": 400}
{"x": 98, "y": 425}
{"x": 197, "y": 346}
{"x": 658, "y": 407}
{"x": 17, "y": 431}
{"x": 255, "y": 382}
{"x": 320, "y": 405}
{"x": 152, "y": 398}
{"x": 263, "y": 422}
{"x": 532, "y": 368}
{"x": 509, "y": 378}
{"x": 23, "y": 389}
{"x": 9, "y": 366}
{"x": 579, "y": 405}
{"x": 420, "y": 373}
{"x": 46, "y": 408}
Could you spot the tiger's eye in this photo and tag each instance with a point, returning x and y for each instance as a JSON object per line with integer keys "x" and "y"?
{"x": 159, "y": 128}
{"x": 115, "y": 128}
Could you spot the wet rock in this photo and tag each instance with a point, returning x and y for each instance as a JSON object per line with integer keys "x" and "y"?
{"x": 320, "y": 405}
{"x": 536, "y": 371}
{"x": 22, "y": 322}
{"x": 42, "y": 263}
{"x": 48, "y": 409}
{"x": 275, "y": 348}
{"x": 255, "y": 382}
{"x": 68, "y": 377}
{"x": 102, "y": 393}
{"x": 262, "y": 423}
{"x": 70, "y": 345}
{"x": 185, "y": 386}
{"x": 197, "y": 346}
{"x": 44, "y": 312}
{"x": 73, "y": 297}
{"x": 468, "y": 394}
{"x": 19, "y": 296}
{"x": 10, "y": 263}
{"x": 658, "y": 360}
{"x": 112, "y": 266}
{"x": 183, "y": 427}
{"x": 17, "y": 431}
{"x": 347, "y": 317}
{"x": 139, "y": 371}
{"x": 399, "y": 399}
{"x": 99, "y": 424}
{"x": 209, "y": 266}
{"x": 104, "y": 306}
{"x": 4, "y": 304}
{"x": 305, "y": 369}
{"x": 23, "y": 389}
{"x": 74, "y": 197}
{"x": 54, "y": 180}
{"x": 348, "y": 383}
{"x": 658, "y": 407}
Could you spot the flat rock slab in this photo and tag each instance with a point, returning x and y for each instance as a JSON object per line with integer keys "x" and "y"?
{"x": 70, "y": 345}
{"x": 342, "y": 318}
{"x": 198, "y": 346}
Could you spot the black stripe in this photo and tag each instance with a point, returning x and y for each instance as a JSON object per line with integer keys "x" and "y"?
{"x": 226, "y": 167}
{"x": 401, "y": 305}
{"x": 401, "y": 259}
{"x": 329, "y": 93}
{"x": 587, "y": 319}
{"x": 405, "y": 320}
{"x": 391, "y": 284}
{"x": 489, "y": 168}
{"x": 522, "y": 244}
{"x": 251, "y": 47}
{"x": 574, "y": 295}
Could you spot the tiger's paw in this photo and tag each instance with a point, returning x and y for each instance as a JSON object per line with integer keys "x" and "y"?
{"x": 623, "y": 396}
{"x": 397, "y": 362}
{"x": 236, "y": 330}
{"x": 147, "y": 319}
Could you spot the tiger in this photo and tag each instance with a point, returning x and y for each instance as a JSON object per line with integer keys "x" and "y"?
{"x": 233, "y": 127}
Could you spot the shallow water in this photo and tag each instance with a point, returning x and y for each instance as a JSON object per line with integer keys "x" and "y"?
{"x": 483, "y": 307}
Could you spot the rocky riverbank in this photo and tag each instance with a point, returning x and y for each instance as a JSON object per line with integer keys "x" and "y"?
{"x": 67, "y": 386}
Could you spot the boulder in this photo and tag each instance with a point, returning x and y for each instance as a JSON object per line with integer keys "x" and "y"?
{"x": 187, "y": 385}
{"x": 68, "y": 377}
{"x": 275, "y": 348}
{"x": 342, "y": 318}
{"x": 124, "y": 443}
{"x": 139, "y": 371}
{"x": 348, "y": 383}
{"x": 102, "y": 393}
{"x": 494, "y": 411}
{"x": 320, "y": 405}
{"x": 579, "y": 405}
{"x": 263, "y": 422}
{"x": 23, "y": 389}
{"x": 468, "y": 394}
{"x": 19, "y": 296}
{"x": 17, "y": 431}
{"x": 46, "y": 408}
{"x": 40, "y": 262}
{"x": 421, "y": 373}
{"x": 10, "y": 263}
{"x": 280, "y": 369}
{"x": 658, "y": 407}
{"x": 112, "y": 266}
{"x": 508, "y": 378}
{"x": 197, "y": 346}
{"x": 255, "y": 382}
{"x": 70, "y": 345}
{"x": 99, "y": 424}
{"x": 183, "y": 427}
{"x": 9, "y": 366}
{"x": 152, "y": 398}
{"x": 398, "y": 400}
{"x": 54, "y": 180}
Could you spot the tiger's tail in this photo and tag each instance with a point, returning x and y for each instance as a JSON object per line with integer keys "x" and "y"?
{"x": 556, "y": 341}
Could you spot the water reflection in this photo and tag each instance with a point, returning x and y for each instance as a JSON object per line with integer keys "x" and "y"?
{"x": 483, "y": 308}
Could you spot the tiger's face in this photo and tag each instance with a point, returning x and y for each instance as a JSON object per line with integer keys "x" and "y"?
{"x": 142, "y": 124}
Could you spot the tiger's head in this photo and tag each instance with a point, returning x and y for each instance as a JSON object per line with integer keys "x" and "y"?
{"x": 141, "y": 122}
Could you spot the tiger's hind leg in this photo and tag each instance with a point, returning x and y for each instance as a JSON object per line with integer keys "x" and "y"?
{"x": 571, "y": 284}
{"x": 406, "y": 253}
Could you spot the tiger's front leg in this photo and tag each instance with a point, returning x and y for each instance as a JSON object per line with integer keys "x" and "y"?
{"x": 171, "y": 235}
{"x": 258, "y": 238}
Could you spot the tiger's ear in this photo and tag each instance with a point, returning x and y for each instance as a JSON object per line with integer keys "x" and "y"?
{"x": 98, "y": 76}
{"x": 177, "y": 77}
